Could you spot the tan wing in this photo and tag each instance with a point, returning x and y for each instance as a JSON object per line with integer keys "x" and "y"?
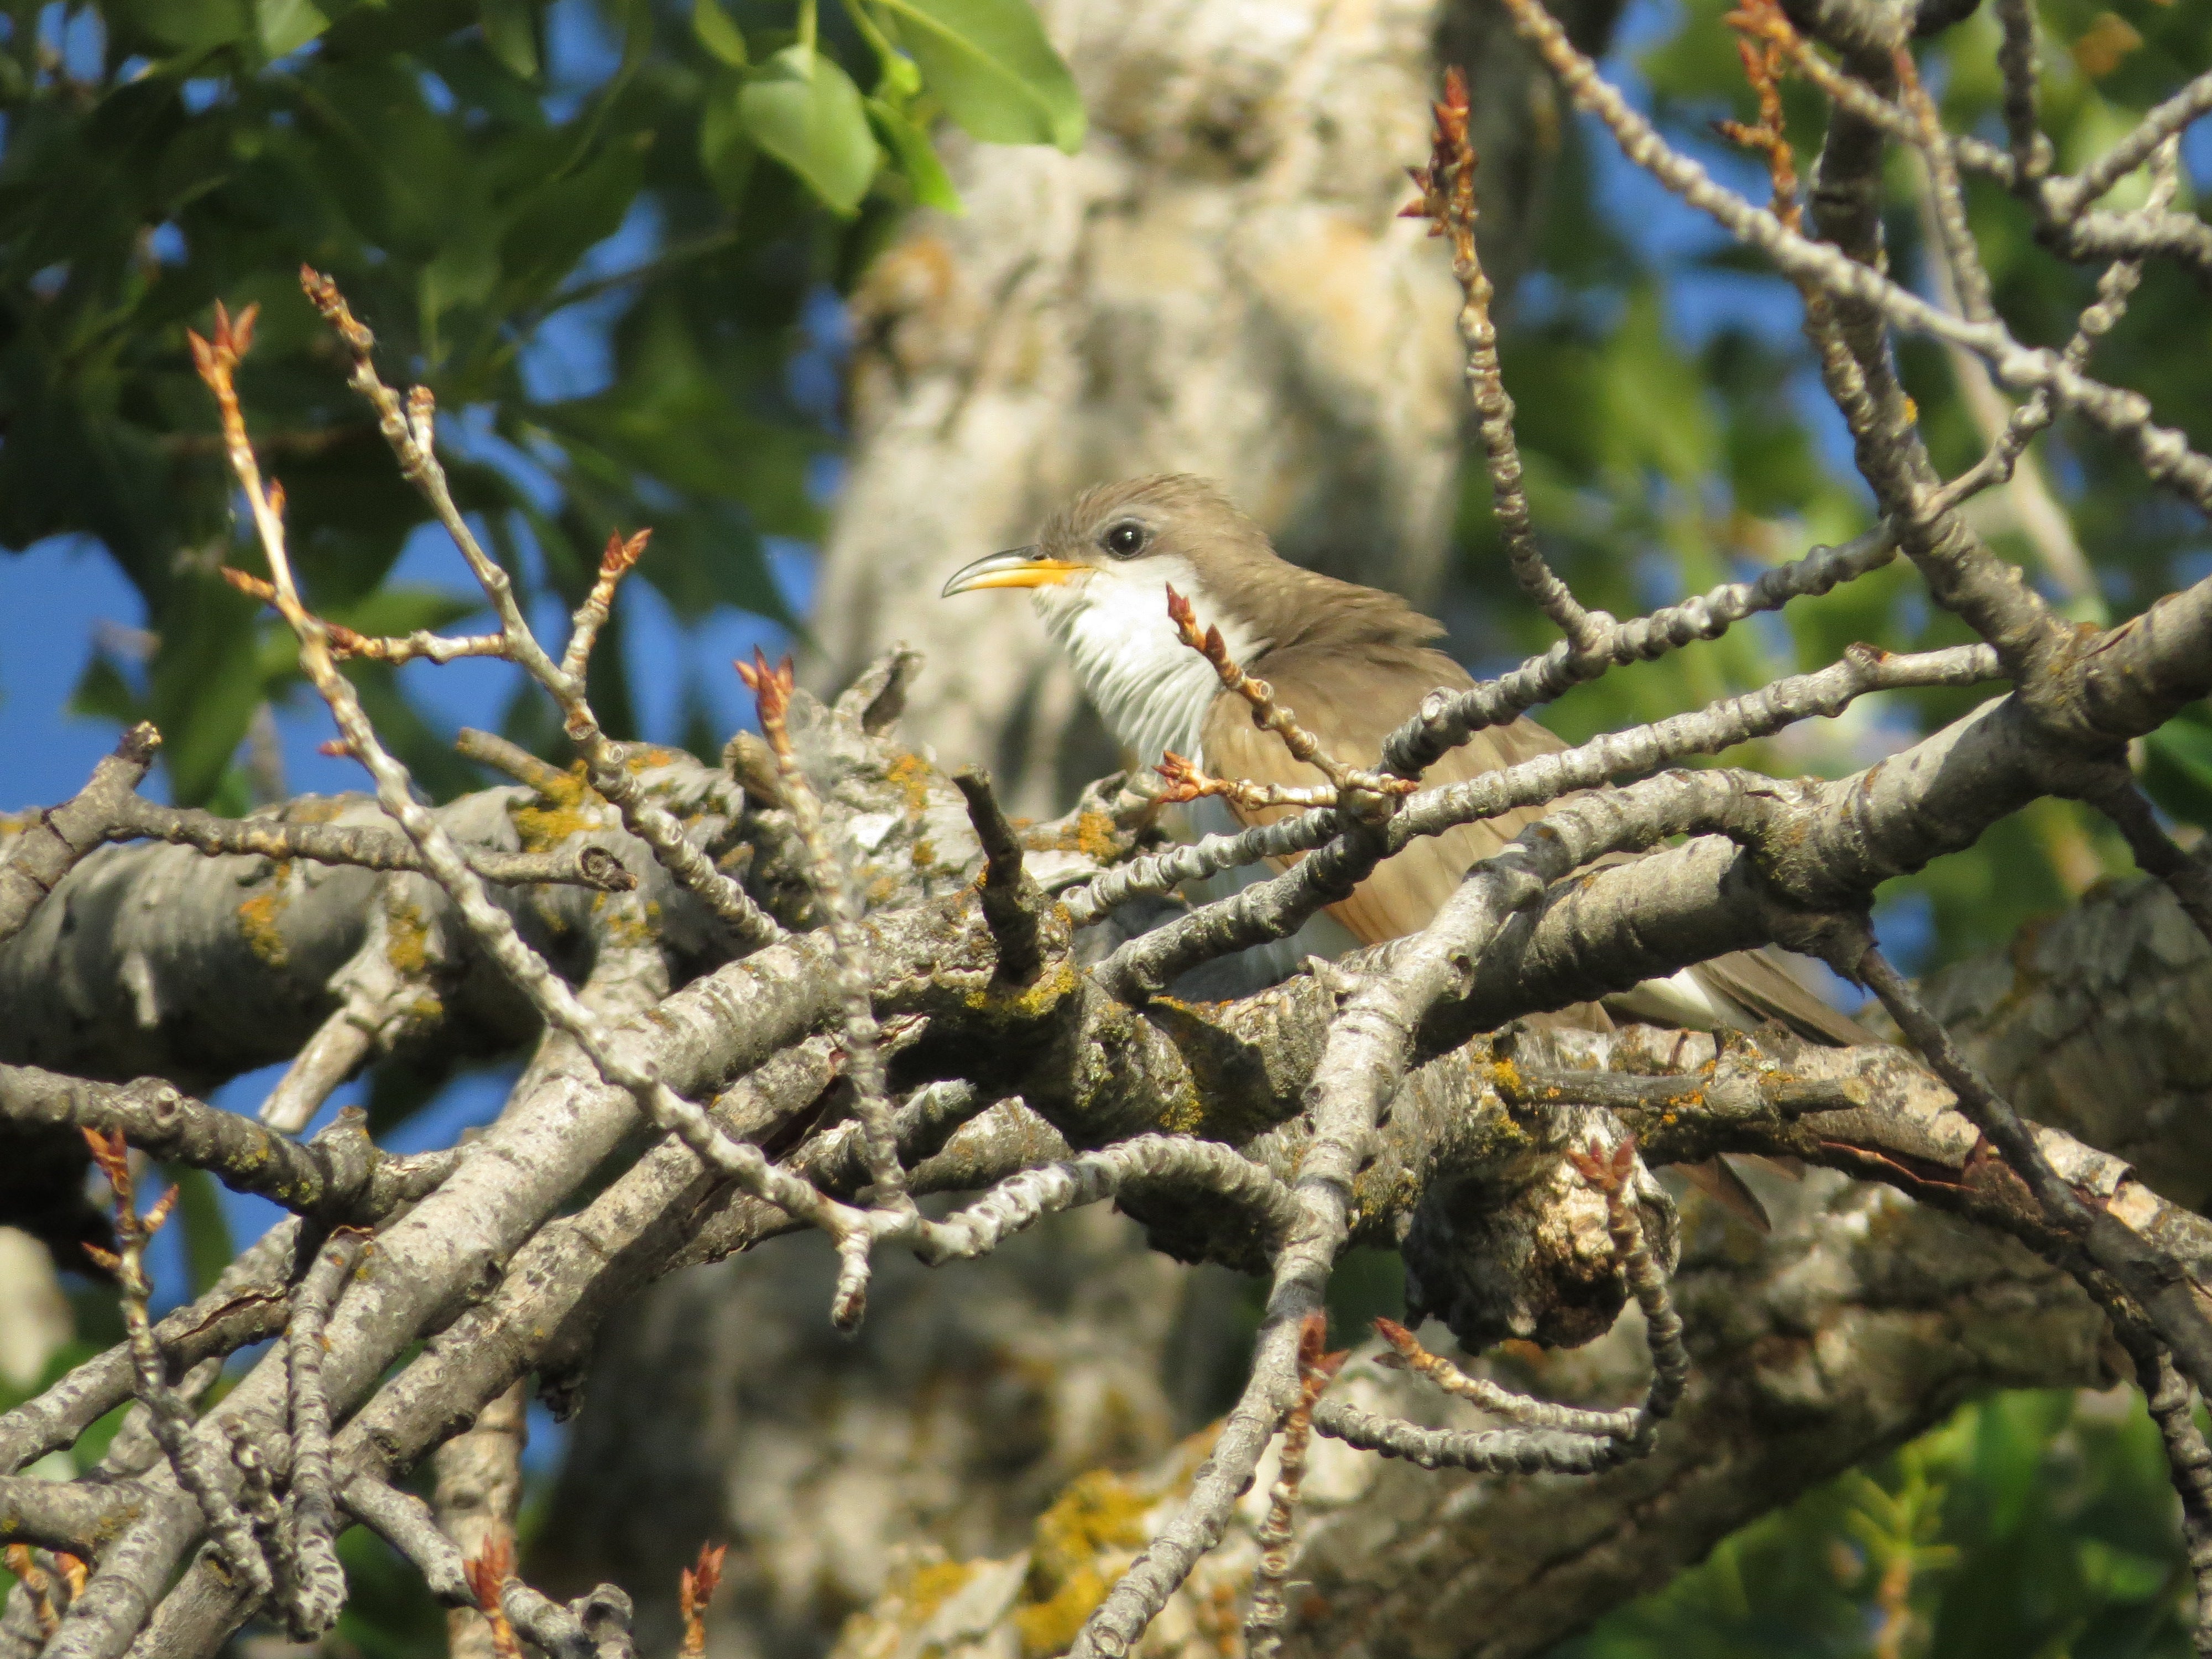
{"x": 1353, "y": 712}
{"x": 1763, "y": 985}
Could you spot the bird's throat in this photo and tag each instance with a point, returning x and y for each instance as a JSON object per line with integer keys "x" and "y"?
{"x": 1151, "y": 688}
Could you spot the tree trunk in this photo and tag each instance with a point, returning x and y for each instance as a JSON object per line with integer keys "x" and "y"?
{"x": 1218, "y": 283}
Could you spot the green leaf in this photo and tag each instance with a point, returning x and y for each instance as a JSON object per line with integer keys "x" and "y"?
{"x": 726, "y": 150}
{"x": 2178, "y": 766}
{"x": 556, "y": 222}
{"x": 718, "y": 34}
{"x": 192, "y": 25}
{"x": 285, "y": 26}
{"x": 989, "y": 61}
{"x": 207, "y": 1248}
{"x": 805, "y": 110}
{"x": 916, "y": 157}
{"x": 511, "y": 32}
{"x": 402, "y": 609}
{"x": 102, "y": 693}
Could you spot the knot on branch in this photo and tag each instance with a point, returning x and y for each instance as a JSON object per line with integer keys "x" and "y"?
{"x": 1528, "y": 1251}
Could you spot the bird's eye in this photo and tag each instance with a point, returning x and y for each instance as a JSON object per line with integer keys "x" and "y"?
{"x": 1124, "y": 540}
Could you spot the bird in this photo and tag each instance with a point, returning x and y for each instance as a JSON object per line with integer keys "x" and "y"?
{"x": 1353, "y": 664}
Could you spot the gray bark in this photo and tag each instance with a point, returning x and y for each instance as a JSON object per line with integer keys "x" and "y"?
{"x": 1218, "y": 284}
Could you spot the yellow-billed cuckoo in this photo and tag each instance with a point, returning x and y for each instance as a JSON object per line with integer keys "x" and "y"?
{"x": 1353, "y": 664}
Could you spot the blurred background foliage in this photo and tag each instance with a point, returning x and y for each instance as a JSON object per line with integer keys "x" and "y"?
{"x": 1676, "y": 435}
{"x": 674, "y": 196}
{"x": 468, "y": 170}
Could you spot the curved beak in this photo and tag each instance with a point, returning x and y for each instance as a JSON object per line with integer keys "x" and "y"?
{"x": 1022, "y": 566}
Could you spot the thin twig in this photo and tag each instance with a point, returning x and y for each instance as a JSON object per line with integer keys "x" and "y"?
{"x": 864, "y": 1066}
{"x": 1446, "y": 202}
{"x": 319, "y": 1588}
{"x": 169, "y": 1417}
{"x": 1263, "y": 1621}
{"x": 411, "y": 431}
{"x": 1266, "y": 713}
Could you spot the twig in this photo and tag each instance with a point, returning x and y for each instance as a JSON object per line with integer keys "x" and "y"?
{"x": 2155, "y": 851}
{"x": 1263, "y": 1621}
{"x": 1266, "y": 713}
{"x": 247, "y": 1304}
{"x": 2144, "y": 1272}
{"x": 1185, "y": 782}
{"x": 1525, "y": 1410}
{"x": 493, "y": 929}
{"x": 51, "y": 845}
{"x": 1946, "y": 201}
{"x": 403, "y": 1522}
{"x": 1162, "y": 872}
{"x": 366, "y": 846}
{"x": 2031, "y": 150}
{"x": 421, "y": 644}
{"x": 1613, "y": 1176}
{"x": 339, "y": 1177}
{"x": 864, "y": 1066}
{"x": 1487, "y": 1451}
{"x": 2114, "y": 287}
{"x": 1447, "y": 201}
{"x": 490, "y": 748}
{"x": 1010, "y": 902}
{"x": 2189, "y": 1462}
{"x": 1275, "y": 908}
{"x": 620, "y": 557}
{"x": 2163, "y": 453}
{"x": 410, "y": 430}
{"x": 318, "y": 1587}
{"x": 1195, "y": 1166}
{"x": 2067, "y": 198}
{"x": 1444, "y": 721}
{"x": 170, "y": 1418}
{"x": 386, "y": 995}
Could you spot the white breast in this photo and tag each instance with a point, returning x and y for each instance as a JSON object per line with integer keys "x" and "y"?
{"x": 1153, "y": 692}
{"x": 1151, "y": 688}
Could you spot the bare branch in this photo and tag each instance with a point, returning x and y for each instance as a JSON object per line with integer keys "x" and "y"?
{"x": 60, "y": 837}
{"x": 339, "y": 1177}
{"x": 1447, "y": 201}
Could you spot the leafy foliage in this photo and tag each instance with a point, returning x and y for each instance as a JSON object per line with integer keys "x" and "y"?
{"x": 1676, "y": 436}
{"x": 460, "y": 168}
{"x": 2030, "y": 1524}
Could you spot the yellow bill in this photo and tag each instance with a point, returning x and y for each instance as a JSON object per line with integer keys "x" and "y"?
{"x": 1021, "y": 567}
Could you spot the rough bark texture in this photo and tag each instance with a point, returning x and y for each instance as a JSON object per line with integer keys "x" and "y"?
{"x": 1218, "y": 284}
{"x": 955, "y": 1034}
{"x": 1862, "y": 1321}
{"x": 478, "y": 1488}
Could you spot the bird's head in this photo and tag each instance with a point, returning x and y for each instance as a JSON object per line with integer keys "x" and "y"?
{"x": 1129, "y": 540}
{"x": 1099, "y": 571}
